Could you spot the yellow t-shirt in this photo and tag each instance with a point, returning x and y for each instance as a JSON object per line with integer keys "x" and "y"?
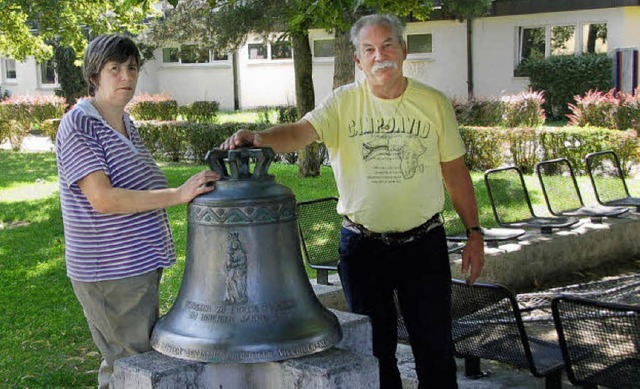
{"x": 386, "y": 154}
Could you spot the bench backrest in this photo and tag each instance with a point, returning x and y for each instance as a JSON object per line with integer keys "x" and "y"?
{"x": 559, "y": 186}
{"x": 600, "y": 341}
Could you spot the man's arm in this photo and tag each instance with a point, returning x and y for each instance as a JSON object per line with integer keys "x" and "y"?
{"x": 460, "y": 188}
{"x": 283, "y": 138}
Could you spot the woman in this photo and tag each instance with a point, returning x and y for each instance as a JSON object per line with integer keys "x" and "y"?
{"x": 113, "y": 197}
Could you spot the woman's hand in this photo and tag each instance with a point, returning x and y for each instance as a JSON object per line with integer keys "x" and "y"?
{"x": 197, "y": 184}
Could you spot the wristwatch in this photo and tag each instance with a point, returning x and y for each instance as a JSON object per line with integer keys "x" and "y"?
{"x": 473, "y": 229}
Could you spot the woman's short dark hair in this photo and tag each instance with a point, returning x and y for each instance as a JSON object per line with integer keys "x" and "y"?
{"x": 392, "y": 22}
{"x": 103, "y": 49}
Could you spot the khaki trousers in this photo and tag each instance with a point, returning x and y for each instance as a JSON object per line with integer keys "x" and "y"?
{"x": 121, "y": 315}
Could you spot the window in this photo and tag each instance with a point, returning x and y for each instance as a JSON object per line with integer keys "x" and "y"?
{"x": 9, "y": 69}
{"x": 323, "y": 48}
{"x": 532, "y": 43}
{"x": 170, "y": 55}
{"x": 594, "y": 38}
{"x": 192, "y": 54}
{"x": 563, "y": 40}
{"x": 220, "y": 56}
{"x": 280, "y": 50}
{"x": 572, "y": 39}
{"x": 419, "y": 43}
{"x": 48, "y": 74}
{"x": 257, "y": 51}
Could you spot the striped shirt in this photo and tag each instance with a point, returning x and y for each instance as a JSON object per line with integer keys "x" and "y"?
{"x": 103, "y": 246}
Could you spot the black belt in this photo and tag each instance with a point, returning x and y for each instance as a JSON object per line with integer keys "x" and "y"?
{"x": 394, "y": 237}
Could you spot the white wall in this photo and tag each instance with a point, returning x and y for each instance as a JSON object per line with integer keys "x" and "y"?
{"x": 446, "y": 67}
{"x": 189, "y": 82}
{"x": 27, "y": 81}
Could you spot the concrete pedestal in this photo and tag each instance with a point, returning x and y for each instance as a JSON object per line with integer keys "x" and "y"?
{"x": 350, "y": 364}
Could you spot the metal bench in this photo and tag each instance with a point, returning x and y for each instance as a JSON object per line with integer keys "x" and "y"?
{"x": 562, "y": 194}
{"x": 511, "y": 203}
{"x": 490, "y": 322}
{"x": 319, "y": 225}
{"x": 599, "y": 340}
{"x": 608, "y": 180}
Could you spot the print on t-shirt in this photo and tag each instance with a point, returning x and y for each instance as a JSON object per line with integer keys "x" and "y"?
{"x": 392, "y": 149}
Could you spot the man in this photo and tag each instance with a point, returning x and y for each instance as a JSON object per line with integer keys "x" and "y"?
{"x": 392, "y": 141}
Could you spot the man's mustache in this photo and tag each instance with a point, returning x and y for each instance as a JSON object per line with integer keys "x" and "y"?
{"x": 383, "y": 65}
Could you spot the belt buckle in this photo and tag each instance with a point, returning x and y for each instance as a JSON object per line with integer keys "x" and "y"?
{"x": 386, "y": 239}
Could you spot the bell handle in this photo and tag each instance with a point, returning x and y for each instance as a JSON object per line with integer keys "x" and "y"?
{"x": 215, "y": 159}
{"x": 238, "y": 162}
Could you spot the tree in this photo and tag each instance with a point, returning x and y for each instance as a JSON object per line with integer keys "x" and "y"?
{"x": 72, "y": 84}
{"x": 28, "y": 27}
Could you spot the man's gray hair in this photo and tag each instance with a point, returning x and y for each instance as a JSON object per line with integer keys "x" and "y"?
{"x": 103, "y": 49}
{"x": 392, "y": 22}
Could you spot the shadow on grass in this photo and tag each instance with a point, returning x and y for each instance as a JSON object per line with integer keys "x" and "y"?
{"x": 26, "y": 167}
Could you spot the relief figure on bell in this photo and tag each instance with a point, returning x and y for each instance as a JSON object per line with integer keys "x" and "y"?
{"x": 236, "y": 270}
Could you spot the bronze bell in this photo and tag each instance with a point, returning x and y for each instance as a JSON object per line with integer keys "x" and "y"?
{"x": 245, "y": 296}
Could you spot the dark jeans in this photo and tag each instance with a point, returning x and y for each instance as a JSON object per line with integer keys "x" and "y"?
{"x": 371, "y": 270}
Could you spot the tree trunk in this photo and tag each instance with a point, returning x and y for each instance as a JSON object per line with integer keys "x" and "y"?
{"x": 308, "y": 158}
{"x": 343, "y": 66}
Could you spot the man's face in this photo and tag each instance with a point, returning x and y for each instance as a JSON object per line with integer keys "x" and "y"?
{"x": 380, "y": 55}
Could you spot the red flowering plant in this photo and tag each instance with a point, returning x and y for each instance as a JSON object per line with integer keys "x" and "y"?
{"x": 617, "y": 110}
{"x": 523, "y": 109}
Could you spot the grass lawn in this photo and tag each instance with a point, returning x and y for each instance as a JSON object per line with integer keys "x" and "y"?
{"x": 45, "y": 341}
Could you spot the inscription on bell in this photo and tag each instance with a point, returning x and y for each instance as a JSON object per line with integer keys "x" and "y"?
{"x": 235, "y": 314}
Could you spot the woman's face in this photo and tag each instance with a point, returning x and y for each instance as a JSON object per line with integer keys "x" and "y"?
{"x": 116, "y": 82}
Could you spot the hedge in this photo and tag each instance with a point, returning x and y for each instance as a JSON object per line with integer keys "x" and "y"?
{"x": 490, "y": 147}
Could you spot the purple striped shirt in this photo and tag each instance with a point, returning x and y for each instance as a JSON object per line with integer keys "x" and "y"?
{"x": 108, "y": 246}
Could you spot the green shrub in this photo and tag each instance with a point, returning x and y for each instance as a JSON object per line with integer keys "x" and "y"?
{"x": 21, "y": 114}
{"x": 200, "y": 112}
{"x": 50, "y": 128}
{"x": 484, "y": 147}
{"x": 478, "y": 112}
{"x": 153, "y": 107}
{"x": 563, "y": 77}
{"x": 523, "y": 145}
{"x": 574, "y": 143}
{"x": 287, "y": 114}
{"x": 528, "y": 146}
{"x": 177, "y": 141}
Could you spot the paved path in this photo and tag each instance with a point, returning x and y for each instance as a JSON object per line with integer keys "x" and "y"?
{"x": 34, "y": 143}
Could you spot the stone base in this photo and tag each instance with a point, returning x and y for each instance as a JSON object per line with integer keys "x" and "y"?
{"x": 349, "y": 364}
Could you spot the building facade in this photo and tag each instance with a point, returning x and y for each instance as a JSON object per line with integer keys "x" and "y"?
{"x": 476, "y": 58}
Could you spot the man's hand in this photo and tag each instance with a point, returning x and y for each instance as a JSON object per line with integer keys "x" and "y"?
{"x": 241, "y": 138}
{"x": 473, "y": 257}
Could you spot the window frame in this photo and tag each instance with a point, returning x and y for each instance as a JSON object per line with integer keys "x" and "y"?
{"x": 327, "y": 57}
{"x": 40, "y": 74}
{"x": 420, "y": 53}
{"x": 212, "y": 61}
{"x": 548, "y": 30}
{"x": 5, "y": 68}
